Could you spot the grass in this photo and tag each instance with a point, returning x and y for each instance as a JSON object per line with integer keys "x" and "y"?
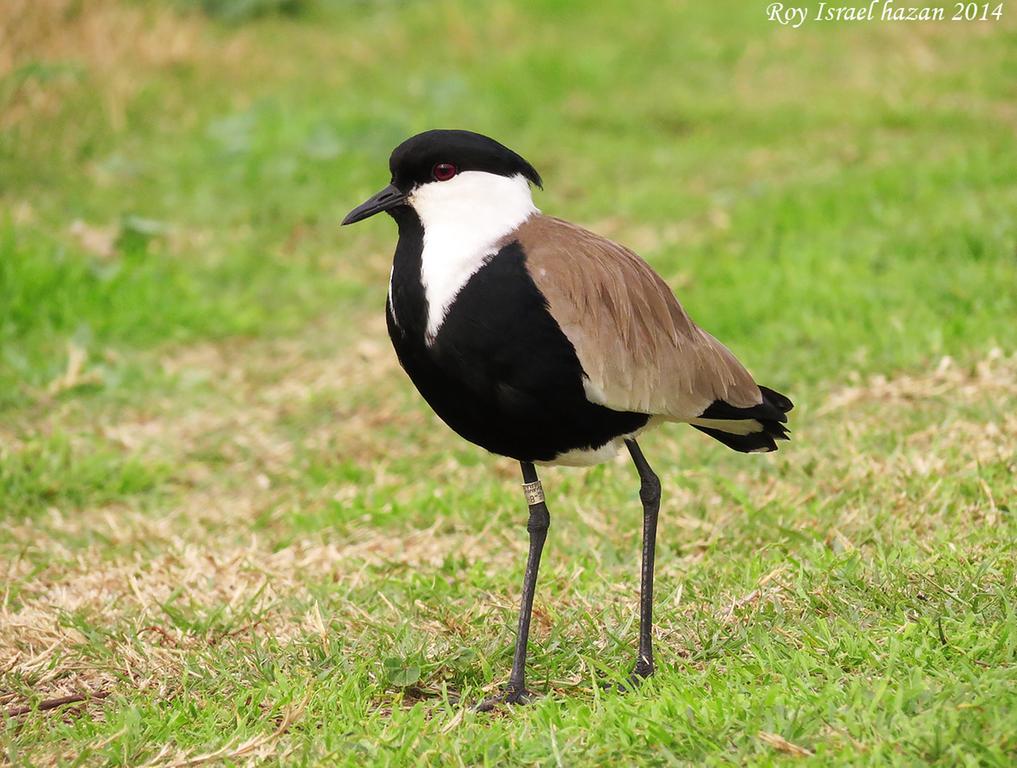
{"x": 234, "y": 529}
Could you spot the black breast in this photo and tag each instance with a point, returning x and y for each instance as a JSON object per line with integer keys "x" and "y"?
{"x": 500, "y": 372}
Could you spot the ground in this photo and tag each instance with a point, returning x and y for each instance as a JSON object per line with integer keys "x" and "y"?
{"x": 232, "y": 531}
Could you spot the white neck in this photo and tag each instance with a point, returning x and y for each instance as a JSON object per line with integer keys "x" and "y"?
{"x": 463, "y": 219}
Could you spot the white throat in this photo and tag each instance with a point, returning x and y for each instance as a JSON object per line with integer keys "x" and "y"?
{"x": 463, "y": 219}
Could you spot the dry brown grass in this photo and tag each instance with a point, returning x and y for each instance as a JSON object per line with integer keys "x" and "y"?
{"x": 984, "y": 382}
{"x": 113, "y": 47}
{"x": 128, "y": 596}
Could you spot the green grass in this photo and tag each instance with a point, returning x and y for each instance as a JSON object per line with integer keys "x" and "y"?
{"x": 227, "y": 515}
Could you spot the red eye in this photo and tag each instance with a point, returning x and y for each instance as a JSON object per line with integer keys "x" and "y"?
{"x": 444, "y": 171}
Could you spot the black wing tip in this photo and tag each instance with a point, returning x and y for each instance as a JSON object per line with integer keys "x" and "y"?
{"x": 774, "y": 407}
{"x": 763, "y": 441}
{"x": 776, "y": 399}
{"x": 771, "y": 415}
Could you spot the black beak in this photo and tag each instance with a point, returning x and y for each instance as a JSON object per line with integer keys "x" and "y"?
{"x": 390, "y": 197}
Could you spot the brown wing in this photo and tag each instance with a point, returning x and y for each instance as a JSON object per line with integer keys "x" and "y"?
{"x": 639, "y": 349}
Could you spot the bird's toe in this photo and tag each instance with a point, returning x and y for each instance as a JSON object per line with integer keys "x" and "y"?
{"x": 633, "y": 680}
{"x": 517, "y": 696}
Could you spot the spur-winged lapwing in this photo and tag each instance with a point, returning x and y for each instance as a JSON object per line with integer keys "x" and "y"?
{"x": 541, "y": 341}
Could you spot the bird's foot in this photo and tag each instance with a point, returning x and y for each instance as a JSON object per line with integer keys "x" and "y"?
{"x": 641, "y": 672}
{"x": 634, "y": 679}
{"x": 511, "y": 695}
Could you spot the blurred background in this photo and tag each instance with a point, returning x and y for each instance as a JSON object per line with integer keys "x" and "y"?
{"x": 193, "y": 356}
{"x": 174, "y": 171}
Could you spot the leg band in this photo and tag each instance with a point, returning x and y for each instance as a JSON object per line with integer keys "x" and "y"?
{"x": 533, "y": 492}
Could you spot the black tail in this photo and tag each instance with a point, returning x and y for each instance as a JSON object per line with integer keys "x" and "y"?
{"x": 749, "y": 430}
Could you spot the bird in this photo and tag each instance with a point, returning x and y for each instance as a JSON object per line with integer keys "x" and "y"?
{"x": 540, "y": 341}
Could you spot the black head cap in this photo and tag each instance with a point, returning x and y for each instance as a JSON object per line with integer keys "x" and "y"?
{"x": 414, "y": 161}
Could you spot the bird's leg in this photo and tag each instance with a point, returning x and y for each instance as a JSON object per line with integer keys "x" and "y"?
{"x": 649, "y": 494}
{"x": 537, "y": 525}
